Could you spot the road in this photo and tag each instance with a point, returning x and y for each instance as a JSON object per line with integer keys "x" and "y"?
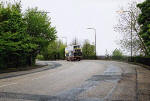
{"x": 87, "y": 80}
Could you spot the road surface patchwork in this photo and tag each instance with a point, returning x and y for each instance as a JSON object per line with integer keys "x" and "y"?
{"x": 88, "y": 80}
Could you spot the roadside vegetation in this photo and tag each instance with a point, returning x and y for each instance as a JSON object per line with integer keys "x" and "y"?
{"x": 117, "y": 55}
{"x": 134, "y": 19}
{"x": 27, "y": 36}
{"x": 55, "y": 50}
{"x": 88, "y": 50}
{"x": 23, "y": 35}
{"x": 144, "y": 22}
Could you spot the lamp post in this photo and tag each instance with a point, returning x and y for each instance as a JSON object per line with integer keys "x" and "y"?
{"x": 95, "y": 39}
{"x": 131, "y": 29}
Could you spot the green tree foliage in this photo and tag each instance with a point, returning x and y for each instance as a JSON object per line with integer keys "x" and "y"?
{"x": 15, "y": 48}
{"x": 55, "y": 50}
{"x": 88, "y": 50}
{"x": 144, "y": 22}
{"x": 18, "y": 47}
{"x": 39, "y": 27}
{"x": 117, "y": 54}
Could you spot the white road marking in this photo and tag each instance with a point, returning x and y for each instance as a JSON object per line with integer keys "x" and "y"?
{"x": 8, "y": 85}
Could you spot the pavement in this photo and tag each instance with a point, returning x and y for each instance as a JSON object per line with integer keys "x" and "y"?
{"x": 47, "y": 65}
{"x": 87, "y": 80}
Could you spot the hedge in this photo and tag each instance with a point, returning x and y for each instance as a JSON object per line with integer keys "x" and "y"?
{"x": 142, "y": 60}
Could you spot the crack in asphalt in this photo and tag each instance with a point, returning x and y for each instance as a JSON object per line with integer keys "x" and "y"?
{"x": 111, "y": 74}
{"x": 69, "y": 95}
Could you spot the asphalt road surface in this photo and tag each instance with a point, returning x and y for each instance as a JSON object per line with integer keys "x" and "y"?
{"x": 87, "y": 80}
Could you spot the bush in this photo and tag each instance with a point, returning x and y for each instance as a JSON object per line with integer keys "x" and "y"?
{"x": 142, "y": 60}
{"x": 88, "y": 50}
{"x": 89, "y": 57}
{"x": 136, "y": 59}
{"x": 55, "y": 50}
{"x": 117, "y": 55}
{"x": 40, "y": 57}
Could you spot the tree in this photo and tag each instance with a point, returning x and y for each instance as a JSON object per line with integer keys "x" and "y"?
{"x": 55, "y": 50}
{"x": 144, "y": 22}
{"x": 75, "y": 41}
{"x": 117, "y": 54}
{"x": 16, "y": 45}
{"x": 39, "y": 27}
{"x": 124, "y": 28}
{"x": 88, "y": 50}
{"x": 22, "y": 36}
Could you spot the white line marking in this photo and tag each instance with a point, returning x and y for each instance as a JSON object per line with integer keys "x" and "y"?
{"x": 8, "y": 85}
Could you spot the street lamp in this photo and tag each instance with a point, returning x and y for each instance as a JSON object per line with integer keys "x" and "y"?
{"x": 131, "y": 27}
{"x": 95, "y": 39}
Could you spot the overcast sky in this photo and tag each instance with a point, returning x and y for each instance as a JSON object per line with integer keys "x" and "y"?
{"x": 72, "y": 17}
